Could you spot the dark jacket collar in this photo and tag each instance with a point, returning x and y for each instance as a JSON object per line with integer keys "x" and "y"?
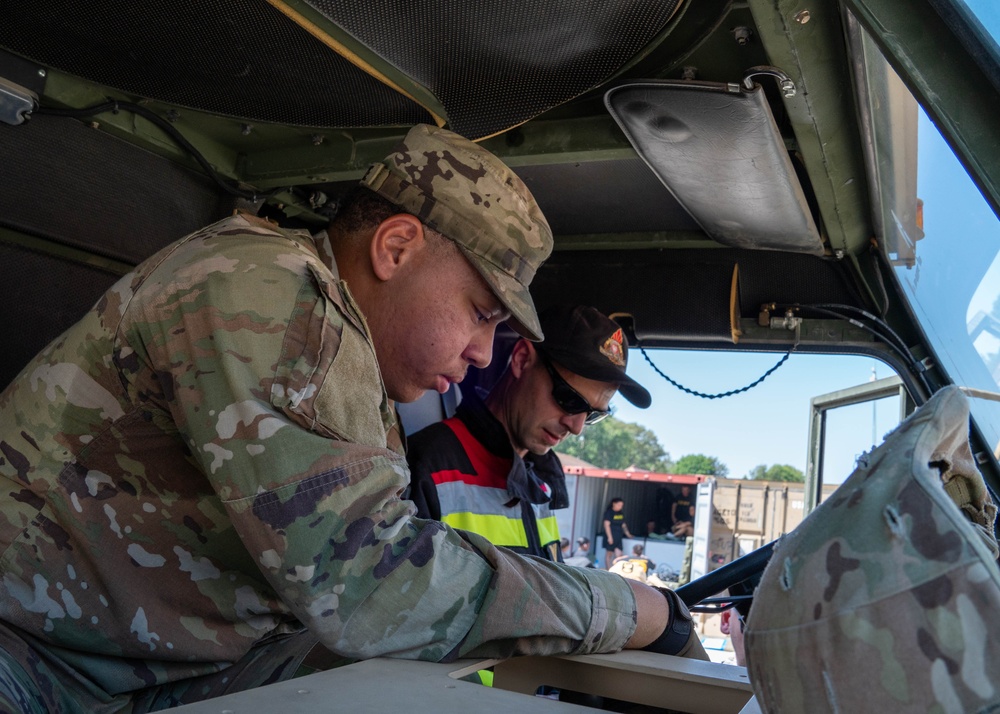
{"x": 535, "y": 479}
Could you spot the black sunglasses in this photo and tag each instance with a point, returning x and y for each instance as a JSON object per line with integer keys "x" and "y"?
{"x": 570, "y": 400}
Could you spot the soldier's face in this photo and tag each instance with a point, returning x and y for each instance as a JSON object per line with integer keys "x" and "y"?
{"x": 444, "y": 320}
{"x": 538, "y": 423}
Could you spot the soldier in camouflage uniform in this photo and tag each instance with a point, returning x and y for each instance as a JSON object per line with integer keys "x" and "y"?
{"x": 201, "y": 478}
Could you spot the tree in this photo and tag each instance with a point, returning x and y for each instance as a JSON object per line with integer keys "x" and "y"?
{"x": 700, "y": 464}
{"x": 777, "y": 472}
{"x": 615, "y": 444}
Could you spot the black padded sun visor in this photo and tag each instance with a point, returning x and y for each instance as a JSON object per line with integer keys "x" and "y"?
{"x": 717, "y": 149}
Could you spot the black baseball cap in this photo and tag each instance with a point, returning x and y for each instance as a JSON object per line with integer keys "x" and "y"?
{"x": 588, "y": 343}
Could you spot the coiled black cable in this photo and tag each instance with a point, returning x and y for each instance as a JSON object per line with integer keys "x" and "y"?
{"x": 718, "y": 395}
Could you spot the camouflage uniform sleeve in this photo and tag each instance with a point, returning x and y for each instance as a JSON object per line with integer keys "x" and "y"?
{"x": 538, "y": 607}
{"x": 274, "y": 386}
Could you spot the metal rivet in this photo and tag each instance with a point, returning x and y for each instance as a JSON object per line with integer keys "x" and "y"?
{"x": 802, "y": 17}
{"x": 41, "y": 72}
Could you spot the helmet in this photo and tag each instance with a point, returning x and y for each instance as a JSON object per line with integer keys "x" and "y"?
{"x": 882, "y": 599}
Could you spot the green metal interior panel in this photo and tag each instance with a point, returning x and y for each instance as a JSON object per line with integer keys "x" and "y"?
{"x": 206, "y": 132}
{"x": 635, "y": 241}
{"x": 811, "y": 49}
{"x": 567, "y": 141}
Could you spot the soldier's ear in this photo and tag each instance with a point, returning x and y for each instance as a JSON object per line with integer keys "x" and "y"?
{"x": 522, "y": 358}
{"x": 396, "y": 240}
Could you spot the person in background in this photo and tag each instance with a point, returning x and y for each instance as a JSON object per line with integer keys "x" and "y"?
{"x": 661, "y": 525}
{"x": 490, "y": 469}
{"x": 615, "y": 528}
{"x": 581, "y": 555}
{"x": 683, "y": 513}
{"x": 567, "y": 550}
{"x": 636, "y": 565}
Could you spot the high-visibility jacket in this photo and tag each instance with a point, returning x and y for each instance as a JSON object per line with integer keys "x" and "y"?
{"x": 465, "y": 473}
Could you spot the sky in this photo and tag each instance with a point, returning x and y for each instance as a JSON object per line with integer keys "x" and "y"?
{"x": 768, "y": 424}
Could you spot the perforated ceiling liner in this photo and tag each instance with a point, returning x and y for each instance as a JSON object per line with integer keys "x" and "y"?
{"x": 239, "y": 58}
{"x": 496, "y": 64}
{"x": 114, "y": 199}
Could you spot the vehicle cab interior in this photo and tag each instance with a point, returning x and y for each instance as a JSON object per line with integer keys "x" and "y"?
{"x": 758, "y": 176}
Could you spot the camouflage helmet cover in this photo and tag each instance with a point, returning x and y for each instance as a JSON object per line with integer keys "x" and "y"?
{"x": 882, "y": 599}
{"x": 468, "y": 195}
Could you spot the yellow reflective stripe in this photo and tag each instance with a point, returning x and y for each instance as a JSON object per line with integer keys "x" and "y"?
{"x": 346, "y": 53}
{"x": 548, "y": 530}
{"x": 498, "y": 530}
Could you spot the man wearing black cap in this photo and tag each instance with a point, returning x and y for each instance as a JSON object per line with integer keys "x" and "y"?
{"x": 490, "y": 469}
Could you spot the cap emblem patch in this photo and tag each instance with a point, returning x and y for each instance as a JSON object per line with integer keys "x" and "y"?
{"x": 613, "y": 350}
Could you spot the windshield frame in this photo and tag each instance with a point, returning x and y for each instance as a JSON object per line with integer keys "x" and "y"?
{"x": 961, "y": 99}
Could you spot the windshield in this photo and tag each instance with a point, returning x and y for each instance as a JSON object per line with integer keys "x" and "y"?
{"x": 938, "y": 232}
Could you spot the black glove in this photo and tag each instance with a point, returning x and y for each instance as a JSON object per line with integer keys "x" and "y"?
{"x": 675, "y": 636}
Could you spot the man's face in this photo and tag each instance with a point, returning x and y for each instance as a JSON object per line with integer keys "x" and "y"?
{"x": 536, "y": 423}
{"x": 444, "y": 320}
{"x": 617, "y": 506}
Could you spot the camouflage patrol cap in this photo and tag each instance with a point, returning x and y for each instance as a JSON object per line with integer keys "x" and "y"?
{"x": 468, "y": 195}
{"x": 882, "y": 599}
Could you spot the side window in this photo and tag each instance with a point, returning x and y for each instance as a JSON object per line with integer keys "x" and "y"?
{"x": 768, "y": 424}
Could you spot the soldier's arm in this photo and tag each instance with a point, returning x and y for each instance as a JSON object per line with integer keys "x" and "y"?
{"x": 652, "y": 612}
{"x": 286, "y": 418}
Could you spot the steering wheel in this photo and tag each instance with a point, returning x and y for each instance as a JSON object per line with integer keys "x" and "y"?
{"x": 726, "y": 577}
